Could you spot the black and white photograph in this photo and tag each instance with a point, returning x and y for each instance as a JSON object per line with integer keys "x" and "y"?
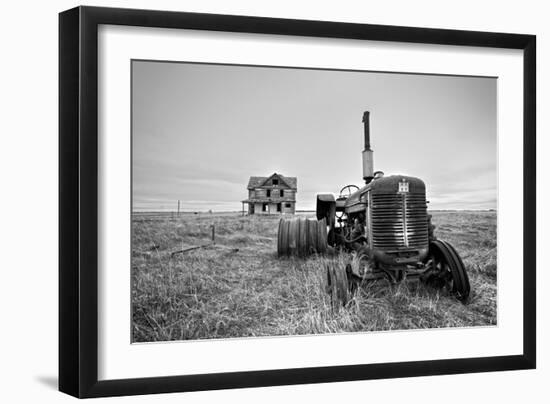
{"x": 266, "y": 202}
{"x": 276, "y": 201}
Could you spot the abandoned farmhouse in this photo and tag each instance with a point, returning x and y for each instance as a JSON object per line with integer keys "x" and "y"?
{"x": 275, "y": 194}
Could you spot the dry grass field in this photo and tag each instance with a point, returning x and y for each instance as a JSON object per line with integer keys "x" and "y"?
{"x": 238, "y": 287}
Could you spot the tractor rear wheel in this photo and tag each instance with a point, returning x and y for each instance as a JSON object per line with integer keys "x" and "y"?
{"x": 300, "y": 236}
{"x": 449, "y": 270}
{"x": 337, "y": 285}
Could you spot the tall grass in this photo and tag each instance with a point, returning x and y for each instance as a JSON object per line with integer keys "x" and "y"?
{"x": 238, "y": 287}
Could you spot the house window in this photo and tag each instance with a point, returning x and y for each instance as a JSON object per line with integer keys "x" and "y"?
{"x": 268, "y": 193}
{"x": 281, "y": 193}
{"x": 275, "y": 182}
{"x": 278, "y": 207}
{"x": 264, "y": 207}
{"x": 288, "y": 205}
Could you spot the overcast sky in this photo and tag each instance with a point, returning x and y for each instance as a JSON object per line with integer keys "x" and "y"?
{"x": 200, "y": 131}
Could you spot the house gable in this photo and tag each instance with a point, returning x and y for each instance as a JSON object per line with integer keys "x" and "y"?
{"x": 282, "y": 181}
{"x": 264, "y": 182}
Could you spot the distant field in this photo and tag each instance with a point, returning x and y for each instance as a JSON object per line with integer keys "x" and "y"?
{"x": 240, "y": 288}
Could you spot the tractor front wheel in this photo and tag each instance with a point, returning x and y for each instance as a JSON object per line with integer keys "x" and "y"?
{"x": 449, "y": 271}
{"x": 337, "y": 285}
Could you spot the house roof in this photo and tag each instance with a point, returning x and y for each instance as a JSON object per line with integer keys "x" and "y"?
{"x": 256, "y": 182}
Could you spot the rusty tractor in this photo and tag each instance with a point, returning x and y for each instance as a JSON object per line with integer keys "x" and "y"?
{"x": 386, "y": 223}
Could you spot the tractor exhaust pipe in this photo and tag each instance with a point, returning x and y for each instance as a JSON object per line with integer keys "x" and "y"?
{"x": 368, "y": 163}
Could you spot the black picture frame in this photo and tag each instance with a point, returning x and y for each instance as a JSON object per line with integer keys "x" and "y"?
{"x": 78, "y": 200}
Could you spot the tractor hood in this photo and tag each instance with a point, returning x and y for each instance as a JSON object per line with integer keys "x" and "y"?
{"x": 396, "y": 184}
{"x": 392, "y": 184}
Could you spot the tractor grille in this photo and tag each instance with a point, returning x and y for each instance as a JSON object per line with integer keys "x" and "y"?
{"x": 399, "y": 221}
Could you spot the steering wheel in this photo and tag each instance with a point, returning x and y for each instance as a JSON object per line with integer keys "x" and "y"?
{"x": 350, "y": 190}
{"x": 345, "y": 193}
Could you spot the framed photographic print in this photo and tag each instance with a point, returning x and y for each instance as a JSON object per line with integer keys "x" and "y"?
{"x": 241, "y": 197}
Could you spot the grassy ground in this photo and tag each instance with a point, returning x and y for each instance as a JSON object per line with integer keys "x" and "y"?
{"x": 240, "y": 288}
